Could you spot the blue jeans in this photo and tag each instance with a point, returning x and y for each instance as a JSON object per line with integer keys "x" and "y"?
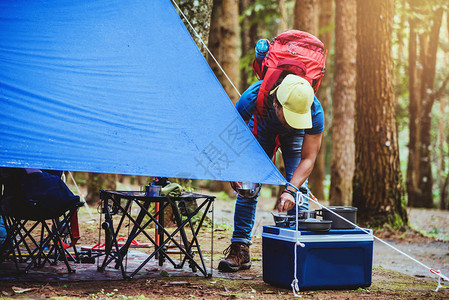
{"x": 245, "y": 209}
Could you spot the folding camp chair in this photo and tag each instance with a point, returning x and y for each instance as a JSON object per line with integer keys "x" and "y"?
{"x": 41, "y": 219}
{"x": 36, "y": 241}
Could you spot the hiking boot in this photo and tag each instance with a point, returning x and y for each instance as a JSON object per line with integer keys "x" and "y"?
{"x": 237, "y": 258}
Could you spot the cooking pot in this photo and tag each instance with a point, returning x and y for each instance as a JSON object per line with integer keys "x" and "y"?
{"x": 314, "y": 225}
{"x": 347, "y": 212}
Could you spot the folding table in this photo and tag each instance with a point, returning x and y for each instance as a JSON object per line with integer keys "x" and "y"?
{"x": 119, "y": 203}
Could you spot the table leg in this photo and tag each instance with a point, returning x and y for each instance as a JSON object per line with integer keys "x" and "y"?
{"x": 178, "y": 220}
{"x": 161, "y": 254}
{"x": 207, "y": 202}
{"x": 111, "y": 241}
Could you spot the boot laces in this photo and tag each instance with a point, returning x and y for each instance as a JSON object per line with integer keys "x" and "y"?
{"x": 233, "y": 250}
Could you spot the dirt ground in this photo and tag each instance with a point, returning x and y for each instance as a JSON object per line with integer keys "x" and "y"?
{"x": 393, "y": 276}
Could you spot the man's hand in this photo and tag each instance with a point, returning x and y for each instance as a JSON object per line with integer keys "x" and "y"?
{"x": 286, "y": 202}
{"x": 236, "y": 184}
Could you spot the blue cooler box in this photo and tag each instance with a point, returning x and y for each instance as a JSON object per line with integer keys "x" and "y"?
{"x": 337, "y": 259}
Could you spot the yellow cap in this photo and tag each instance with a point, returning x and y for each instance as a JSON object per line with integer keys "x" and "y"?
{"x": 296, "y": 97}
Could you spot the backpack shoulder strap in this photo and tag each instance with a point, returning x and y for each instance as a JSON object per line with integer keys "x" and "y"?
{"x": 271, "y": 76}
{"x": 257, "y": 68}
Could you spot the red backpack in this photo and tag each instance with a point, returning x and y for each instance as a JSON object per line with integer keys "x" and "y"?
{"x": 296, "y": 52}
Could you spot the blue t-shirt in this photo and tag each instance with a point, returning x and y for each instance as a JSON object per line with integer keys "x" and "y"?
{"x": 246, "y": 106}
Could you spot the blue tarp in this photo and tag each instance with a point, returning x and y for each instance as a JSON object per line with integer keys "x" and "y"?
{"x": 116, "y": 87}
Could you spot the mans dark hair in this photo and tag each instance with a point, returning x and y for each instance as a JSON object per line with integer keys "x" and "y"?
{"x": 272, "y": 97}
{"x": 275, "y": 100}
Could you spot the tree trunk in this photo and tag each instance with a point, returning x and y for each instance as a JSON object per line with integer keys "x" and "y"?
{"x": 249, "y": 38}
{"x": 423, "y": 47}
{"x": 231, "y": 33}
{"x": 224, "y": 45}
{"x": 306, "y": 16}
{"x": 414, "y": 74}
{"x": 378, "y": 191}
{"x": 283, "y": 16}
{"x": 443, "y": 181}
{"x": 198, "y": 13}
{"x": 97, "y": 182}
{"x": 425, "y": 180}
{"x": 224, "y": 41}
{"x": 445, "y": 194}
{"x": 316, "y": 178}
{"x": 215, "y": 36}
{"x": 401, "y": 39}
{"x": 343, "y": 147}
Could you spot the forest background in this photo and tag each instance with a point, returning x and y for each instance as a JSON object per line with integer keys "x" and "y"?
{"x": 385, "y": 95}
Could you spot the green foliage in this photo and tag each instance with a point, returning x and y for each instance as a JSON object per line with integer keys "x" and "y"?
{"x": 80, "y": 178}
{"x": 165, "y": 274}
{"x": 207, "y": 223}
{"x": 363, "y": 290}
{"x": 262, "y": 11}
{"x": 197, "y": 12}
{"x": 188, "y": 185}
{"x": 225, "y": 226}
{"x": 246, "y": 62}
{"x": 103, "y": 295}
{"x": 223, "y": 195}
{"x": 434, "y": 231}
{"x": 386, "y": 221}
{"x": 264, "y": 14}
{"x": 398, "y": 222}
{"x": 326, "y": 29}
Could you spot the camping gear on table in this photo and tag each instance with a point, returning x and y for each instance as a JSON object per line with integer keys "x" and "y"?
{"x": 153, "y": 190}
{"x": 328, "y": 260}
{"x": 183, "y": 235}
{"x": 347, "y": 212}
{"x": 172, "y": 190}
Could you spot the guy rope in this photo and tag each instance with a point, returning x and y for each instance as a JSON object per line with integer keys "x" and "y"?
{"x": 300, "y": 201}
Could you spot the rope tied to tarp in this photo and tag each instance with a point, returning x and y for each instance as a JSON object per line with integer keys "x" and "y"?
{"x": 315, "y": 200}
{"x": 81, "y": 195}
{"x": 299, "y": 200}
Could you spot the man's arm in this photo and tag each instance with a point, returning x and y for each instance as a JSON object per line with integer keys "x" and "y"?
{"x": 246, "y": 106}
{"x": 310, "y": 148}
